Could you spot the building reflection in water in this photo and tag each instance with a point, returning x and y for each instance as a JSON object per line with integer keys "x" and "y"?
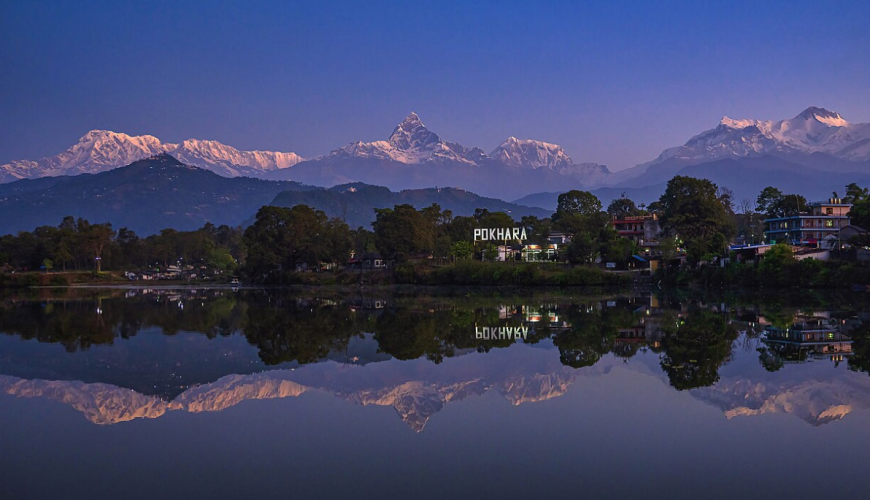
{"x": 809, "y": 338}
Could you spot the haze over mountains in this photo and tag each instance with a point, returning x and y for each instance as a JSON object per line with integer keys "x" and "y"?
{"x": 816, "y": 152}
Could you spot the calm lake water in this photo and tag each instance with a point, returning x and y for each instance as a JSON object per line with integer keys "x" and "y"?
{"x": 251, "y": 394}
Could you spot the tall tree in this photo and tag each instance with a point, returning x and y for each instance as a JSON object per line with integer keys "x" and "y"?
{"x": 856, "y": 194}
{"x": 401, "y": 232}
{"x": 97, "y": 237}
{"x": 283, "y": 238}
{"x": 577, "y": 202}
{"x": 623, "y": 207}
{"x": 774, "y": 203}
{"x": 693, "y": 209}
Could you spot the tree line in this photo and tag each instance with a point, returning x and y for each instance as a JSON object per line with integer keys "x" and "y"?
{"x": 696, "y": 216}
{"x": 77, "y": 244}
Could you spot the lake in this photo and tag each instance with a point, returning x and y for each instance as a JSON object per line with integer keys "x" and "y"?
{"x": 215, "y": 393}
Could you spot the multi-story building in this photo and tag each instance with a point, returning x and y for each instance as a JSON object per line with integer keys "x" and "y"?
{"x": 641, "y": 229}
{"x": 824, "y": 218}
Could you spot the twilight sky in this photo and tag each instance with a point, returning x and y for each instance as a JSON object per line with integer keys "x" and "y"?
{"x": 612, "y": 82}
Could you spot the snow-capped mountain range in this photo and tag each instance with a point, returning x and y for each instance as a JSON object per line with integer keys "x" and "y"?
{"x": 101, "y": 150}
{"x": 811, "y": 145}
{"x": 411, "y": 143}
{"x": 531, "y": 154}
{"x": 814, "y": 130}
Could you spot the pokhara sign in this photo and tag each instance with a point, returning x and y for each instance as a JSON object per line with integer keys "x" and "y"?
{"x": 500, "y": 234}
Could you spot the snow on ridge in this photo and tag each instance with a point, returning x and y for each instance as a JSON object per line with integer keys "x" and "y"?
{"x": 527, "y": 153}
{"x": 102, "y": 150}
{"x": 411, "y": 143}
{"x": 814, "y": 130}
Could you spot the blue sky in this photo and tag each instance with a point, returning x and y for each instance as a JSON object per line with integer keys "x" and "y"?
{"x": 613, "y": 82}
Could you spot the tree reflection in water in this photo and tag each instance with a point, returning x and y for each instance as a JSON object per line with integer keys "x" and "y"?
{"x": 693, "y": 338}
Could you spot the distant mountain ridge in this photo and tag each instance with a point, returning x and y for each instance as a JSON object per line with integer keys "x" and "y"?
{"x": 355, "y": 203}
{"x": 146, "y": 196}
{"x": 746, "y": 177}
{"x": 161, "y": 192}
{"x": 815, "y": 143}
{"x": 815, "y": 132}
{"x": 412, "y": 157}
{"x": 102, "y": 150}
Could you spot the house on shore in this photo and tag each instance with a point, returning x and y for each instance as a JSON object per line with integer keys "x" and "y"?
{"x": 822, "y": 221}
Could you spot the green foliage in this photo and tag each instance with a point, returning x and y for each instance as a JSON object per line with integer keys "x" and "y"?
{"x": 695, "y": 347}
{"x": 856, "y": 194}
{"x": 699, "y": 213}
{"x": 623, "y": 207}
{"x": 773, "y": 203}
{"x": 692, "y": 209}
{"x": 461, "y": 250}
{"x": 618, "y": 250}
{"x": 860, "y": 200}
{"x": 572, "y": 203}
{"x": 282, "y": 239}
{"x": 356, "y": 203}
{"x": 778, "y": 269}
{"x": 776, "y": 258}
{"x": 402, "y": 232}
{"x": 580, "y": 215}
{"x": 220, "y": 258}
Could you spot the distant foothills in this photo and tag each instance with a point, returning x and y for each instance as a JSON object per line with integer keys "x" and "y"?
{"x": 813, "y": 153}
{"x": 160, "y": 192}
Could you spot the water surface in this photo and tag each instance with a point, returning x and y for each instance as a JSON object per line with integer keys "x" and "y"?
{"x": 222, "y": 394}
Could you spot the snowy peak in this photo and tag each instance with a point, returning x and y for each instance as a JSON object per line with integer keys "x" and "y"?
{"x": 822, "y": 115}
{"x": 531, "y": 154}
{"x": 213, "y": 154}
{"x": 736, "y": 124}
{"x": 411, "y": 143}
{"x": 411, "y": 134}
{"x": 104, "y": 148}
{"x": 101, "y": 150}
{"x": 538, "y": 155}
{"x": 814, "y": 130}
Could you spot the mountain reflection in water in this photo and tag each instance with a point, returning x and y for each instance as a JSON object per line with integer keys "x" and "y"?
{"x": 118, "y": 355}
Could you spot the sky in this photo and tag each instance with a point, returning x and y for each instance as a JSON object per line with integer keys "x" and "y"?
{"x": 612, "y": 82}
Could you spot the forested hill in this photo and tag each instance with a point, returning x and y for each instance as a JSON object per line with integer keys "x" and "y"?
{"x": 145, "y": 196}
{"x": 356, "y": 203}
{"x": 160, "y": 192}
